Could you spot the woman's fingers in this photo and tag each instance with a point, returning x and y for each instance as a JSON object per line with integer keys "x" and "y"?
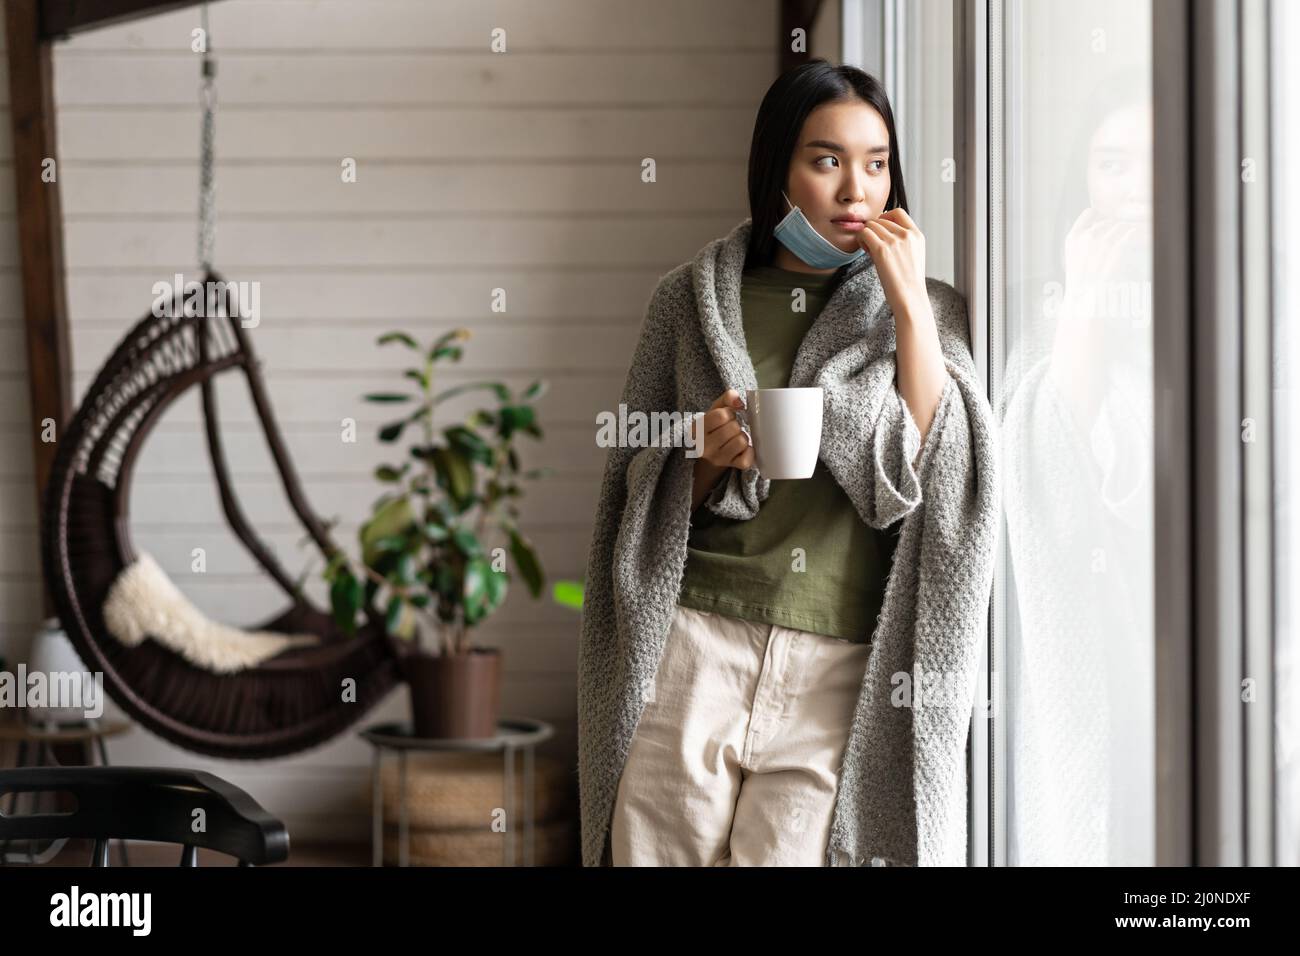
{"x": 725, "y": 442}
{"x": 889, "y": 219}
{"x": 745, "y": 459}
{"x": 726, "y": 432}
{"x": 728, "y": 399}
{"x": 718, "y": 418}
{"x": 732, "y": 449}
{"x": 893, "y": 228}
{"x": 899, "y": 216}
{"x": 873, "y": 235}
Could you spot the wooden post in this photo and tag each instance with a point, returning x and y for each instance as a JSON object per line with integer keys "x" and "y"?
{"x": 31, "y": 28}
{"x": 40, "y": 233}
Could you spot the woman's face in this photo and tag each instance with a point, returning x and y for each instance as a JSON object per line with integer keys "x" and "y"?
{"x": 840, "y": 170}
{"x": 1119, "y": 164}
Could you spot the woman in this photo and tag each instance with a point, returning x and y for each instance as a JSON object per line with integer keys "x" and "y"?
{"x": 724, "y": 677}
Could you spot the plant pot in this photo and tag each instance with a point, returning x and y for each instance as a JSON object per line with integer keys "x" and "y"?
{"x": 456, "y": 695}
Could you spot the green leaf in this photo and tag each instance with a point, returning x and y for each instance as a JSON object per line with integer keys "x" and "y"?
{"x": 484, "y": 590}
{"x": 389, "y": 474}
{"x": 346, "y": 596}
{"x": 435, "y": 532}
{"x": 513, "y": 458}
{"x": 536, "y": 390}
{"x": 393, "y": 519}
{"x": 454, "y": 351}
{"x": 387, "y": 397}
{"x": 399, "y": 337}
{"x": 568, "y": 593}
{"x": 502, "y": 392}
{"x": 415, "y": 375}
{"x": 394, "y": 615}
{"x": 526, "y": 560}
{"x": 467, "y": 542}
{"x": 406, "y": 569}
{"x": 457, "y": 472}
{"x": 477, "y": 572}
{"x": 455, "y": 335}
{"x": 467, "y": 441}
{"x": 515, "y": 417}
{"x": 392, "y": 543}
{"x": 497, "y": 583}
{"x": 392, "y": 431}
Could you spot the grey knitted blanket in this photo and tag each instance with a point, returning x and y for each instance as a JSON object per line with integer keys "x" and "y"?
{"x": 902, "y": 785}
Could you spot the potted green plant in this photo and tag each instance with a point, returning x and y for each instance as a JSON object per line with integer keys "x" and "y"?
{"x": 437, "y": 550}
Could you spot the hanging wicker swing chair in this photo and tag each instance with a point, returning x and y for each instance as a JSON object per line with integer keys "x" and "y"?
{"x": 287, "y": 695}
{"x": 286, "y": 703}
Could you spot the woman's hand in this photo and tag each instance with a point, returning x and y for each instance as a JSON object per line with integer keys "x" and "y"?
{"x": 897, "y": 247}
{"x": 1101, "y": 318}
{"x": 725, "y": 445}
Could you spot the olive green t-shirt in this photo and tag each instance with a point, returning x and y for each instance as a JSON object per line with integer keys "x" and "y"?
{"x": 806, "y": 560}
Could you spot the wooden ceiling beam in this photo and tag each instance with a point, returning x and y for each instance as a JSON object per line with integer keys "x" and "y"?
{"x": 62, "y": 18}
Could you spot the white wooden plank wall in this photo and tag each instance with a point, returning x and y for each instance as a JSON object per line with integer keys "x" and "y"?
{"x": 476, "y": 170}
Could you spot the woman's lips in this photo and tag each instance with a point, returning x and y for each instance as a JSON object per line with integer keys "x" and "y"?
{"x": 849, "y": 225}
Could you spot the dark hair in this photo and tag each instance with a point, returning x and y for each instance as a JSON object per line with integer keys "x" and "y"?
{"x": 787, "y": 103}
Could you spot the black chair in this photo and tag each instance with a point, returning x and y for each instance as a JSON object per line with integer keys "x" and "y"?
{"x": 146, "y": 803}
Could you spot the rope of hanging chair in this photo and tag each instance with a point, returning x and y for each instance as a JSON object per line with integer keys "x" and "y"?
{"x": 207, "y": 185}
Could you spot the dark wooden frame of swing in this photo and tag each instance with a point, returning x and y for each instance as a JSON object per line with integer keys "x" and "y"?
{"x": 287, "y": 703}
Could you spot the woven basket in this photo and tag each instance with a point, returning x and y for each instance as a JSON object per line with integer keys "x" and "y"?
{"x": 554, "y": 844}
{"x": 464, "y": 791}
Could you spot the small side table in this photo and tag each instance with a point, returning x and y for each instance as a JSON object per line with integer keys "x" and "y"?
{"x": 513, "y": 733}
{"x": 42, "y": 739}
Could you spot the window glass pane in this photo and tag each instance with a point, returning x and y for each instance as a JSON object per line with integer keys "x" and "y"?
{"x": 1075, "y": 405}
{"x": 929, "y": 161}
{"x": 1286, "y": 219}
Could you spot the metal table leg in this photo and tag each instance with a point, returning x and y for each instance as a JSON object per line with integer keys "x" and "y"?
{"x": 509, "y": 803}
{"x": 530, "y": 809}
{"x": 403, "y": 849}
{"x": 377, "y": 812}
{"x": 103, "y": 756}
{"x": 36, "y": 799}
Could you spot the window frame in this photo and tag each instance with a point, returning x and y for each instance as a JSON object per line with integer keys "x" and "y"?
{"x": 1214, "y": 556}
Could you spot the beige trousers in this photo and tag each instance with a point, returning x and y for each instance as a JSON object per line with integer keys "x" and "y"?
{"x": 736, "y": 759}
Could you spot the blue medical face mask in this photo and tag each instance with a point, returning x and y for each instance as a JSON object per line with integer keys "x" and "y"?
{"x": 797, "y": 234}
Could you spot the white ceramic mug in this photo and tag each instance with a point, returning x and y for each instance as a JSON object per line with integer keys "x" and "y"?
{"x": 785, "y": 427}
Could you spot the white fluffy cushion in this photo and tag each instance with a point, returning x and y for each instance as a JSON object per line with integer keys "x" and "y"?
{"x": 143, "y": 602}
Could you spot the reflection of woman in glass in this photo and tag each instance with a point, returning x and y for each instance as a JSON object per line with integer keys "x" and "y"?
{"x": 1077, "y": 446}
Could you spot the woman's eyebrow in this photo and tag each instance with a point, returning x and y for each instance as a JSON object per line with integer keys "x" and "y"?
{"x": 828, "y": 144}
